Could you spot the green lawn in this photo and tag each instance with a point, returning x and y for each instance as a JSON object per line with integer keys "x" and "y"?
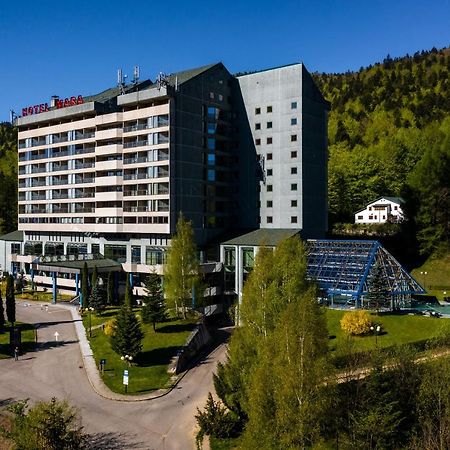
{"x": 224, "y": 444}
{"x": 396, "y": 330}
{"x": 437, "y": 279}
{"x": 27, "y": 340}
{"x": 150, "y": 369}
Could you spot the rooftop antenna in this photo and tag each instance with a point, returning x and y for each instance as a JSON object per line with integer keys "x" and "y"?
{"x": 136, "y": 71}
{"x": 162, "y": 80}
{"x": 12, "y": 116}
{"x": 121, "y": 81}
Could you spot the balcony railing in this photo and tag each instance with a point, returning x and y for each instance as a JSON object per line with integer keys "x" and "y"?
{"x": 135, "y": 144}
{"x": 59, "y": 154}
{"x": 60, "y": 167}
{"x": 141, "y": 159}
{"x": 84, "y": 135}
{"x": 141, "y": 126}
{"x": 134, "y": 193}
{"x": 56, "y": 196}
{"x": 56, "y": 182}
{"x": 82, "y": 151}
{"x": 136, "y": 209}
{"x": 90, "y": 165}
{"x": 84, "y": 194}
{"x": 38, "y": 170}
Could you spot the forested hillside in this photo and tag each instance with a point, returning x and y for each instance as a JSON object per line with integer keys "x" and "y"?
{"x": 389, "y": 134}
{"x": 8, "y": 178}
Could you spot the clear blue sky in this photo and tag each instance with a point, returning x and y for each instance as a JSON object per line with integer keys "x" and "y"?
{"x": 68, "y": 47}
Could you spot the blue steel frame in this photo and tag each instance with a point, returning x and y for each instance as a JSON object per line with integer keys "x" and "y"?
{"x": 343, "y": 267}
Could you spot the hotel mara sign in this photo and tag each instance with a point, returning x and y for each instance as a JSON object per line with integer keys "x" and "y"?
{"x": 59, "y": 103}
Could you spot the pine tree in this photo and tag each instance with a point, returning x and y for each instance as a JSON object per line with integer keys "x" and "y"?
{"x": 128, "y": 335}
{"x": 153, "y": 309}
{"x": 378, "y": 295}
{"x": 10, "y": 300}
{"x": 181, "y": 272}
{"x": 85, "y": 286}
{"x": 110, "y": 299}
{"x": 129, "y": 300}
{"x": 2, "y": 314}
{"x": 97, "y": 299}
{"x": 94, "y": 277}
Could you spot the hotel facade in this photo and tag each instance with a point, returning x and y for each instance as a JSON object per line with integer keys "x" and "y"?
{"x": 105, "y": 177}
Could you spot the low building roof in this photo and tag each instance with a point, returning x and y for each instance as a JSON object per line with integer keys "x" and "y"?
{"x": 16, "y": 236}
{"x": 65, "y": 265}
{"x": 397, "y": 200}
{"x": 263, "y": 236}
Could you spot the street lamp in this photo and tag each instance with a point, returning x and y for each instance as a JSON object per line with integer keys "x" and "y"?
{"x": 424, "y": 275}
{"x": 377, "y": 330}
{"x": 127, "y": 359}
{"x": 90, "y": 309}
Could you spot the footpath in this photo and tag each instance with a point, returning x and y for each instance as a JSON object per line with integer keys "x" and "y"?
{"x": 90, "y": 365}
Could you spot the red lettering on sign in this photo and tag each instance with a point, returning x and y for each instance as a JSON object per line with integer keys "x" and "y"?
{"x": 43, "y": 107}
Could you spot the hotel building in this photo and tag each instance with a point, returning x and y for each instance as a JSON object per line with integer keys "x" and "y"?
{"x": 105, "y": 177}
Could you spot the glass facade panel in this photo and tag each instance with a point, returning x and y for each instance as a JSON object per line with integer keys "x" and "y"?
{"x": 136, "y": 254}
{"x": 116, "y": 252}
{"x": 154, "y": 256}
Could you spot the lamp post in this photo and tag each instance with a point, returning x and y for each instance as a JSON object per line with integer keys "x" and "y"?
{"x": 127, "y": 359}
{"x": 90, "y": 309}
{"x": 377, "y": 330}
{"x": 424, "y": 278}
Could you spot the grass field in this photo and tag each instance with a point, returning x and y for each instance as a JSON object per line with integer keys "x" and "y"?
{"x": 437, "y": 279}
{"x": 149, "y": 372}
{"x": 27, "y": 340}
{"x": 396, "y": 330}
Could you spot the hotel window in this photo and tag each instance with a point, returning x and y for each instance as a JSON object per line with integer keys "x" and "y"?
{"x": 269, "y": 109}
{"x": 211, "y": 95}
{"x": 136, "y": 254}
{"x": 294, "y": 154}
{"x": 293, "y": 170}
{"x": 154, "y": 256}
{"x": 269, "y": 124}
{"x": 269, "y": 140}
{"x": 220, "y": 97}
{"x": 269, "y": 203}
{"x": 293, "y": 187}
{"x": 257, "y": 126}
{"x": 293, "y": 105}
{"x": 257, "y": 141}
{"x": 293, "y": 219}
{"x": 257, "y": 110}
{"x": 269, "y": 219}
{"x": 294, "y": 121}
{"x": 269, "y": 156}
{"x": 269, "y": 188}
{"x": 293, "y": 203}
{"x": 293, "y": 137}
{"x": 269, "y": 172}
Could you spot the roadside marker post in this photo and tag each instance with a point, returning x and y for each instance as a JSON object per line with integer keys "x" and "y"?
{"x": 125, "y": 380}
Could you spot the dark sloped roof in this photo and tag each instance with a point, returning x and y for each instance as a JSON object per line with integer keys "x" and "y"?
{"x": 13, "y": 236}
{"x": 186, "y": 75}
{"x": 110, "y": 93}
{"x": 263, "y": 236}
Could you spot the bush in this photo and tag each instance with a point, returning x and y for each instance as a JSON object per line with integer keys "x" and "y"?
{"x": 356, "y": 323}
{"x": 110, "y": 327}
{"x": 215, "y": 421}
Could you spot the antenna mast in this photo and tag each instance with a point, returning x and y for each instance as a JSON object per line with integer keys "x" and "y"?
{"x": 136, "y": 71}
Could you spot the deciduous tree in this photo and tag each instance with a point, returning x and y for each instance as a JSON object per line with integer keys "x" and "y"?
{"x": 181, "y": 272}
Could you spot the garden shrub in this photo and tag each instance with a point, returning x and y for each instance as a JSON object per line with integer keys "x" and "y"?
{"x": 356, "y": 323}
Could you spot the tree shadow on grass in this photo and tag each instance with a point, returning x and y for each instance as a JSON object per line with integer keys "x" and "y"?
{"x": 176, "y": 328}
{"x": 156, "y": 357}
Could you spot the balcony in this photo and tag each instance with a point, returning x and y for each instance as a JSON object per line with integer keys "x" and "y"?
{"x": 37, "y": 197}
{"x": 141, "y": 126}
{"x": 57, "y": 139}
{"x": 88, "y": 135}
{"x": 136, "y": 209}
{"x": 112, "y": 133}
{"x": 57, "y": 196}
{"x": 38, "y": 170}
{"x": 84, "y": 180}
{"x": 37, "y": 142}
{"x": 35, "y": 183}
{"x": 59, "y": 154}
{"x": 59, "y": 167}
{"x": 59, "y": 181}
{"x": 87, "y": 165}
{"x": 115, "y": 164}
{"x": 136, "y": 176}
{"x": 85, "y": 194}
{"x": 135, "y": 193}
{"x": 133, "y": 144}
{"x": 142, "y": 159}
{"x": 82, "y": 151}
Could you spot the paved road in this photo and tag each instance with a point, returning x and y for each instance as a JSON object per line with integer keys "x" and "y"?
{"x": 57, "y": 370}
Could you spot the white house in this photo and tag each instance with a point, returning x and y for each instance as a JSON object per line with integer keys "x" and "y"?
{"x": 381, "y": 210}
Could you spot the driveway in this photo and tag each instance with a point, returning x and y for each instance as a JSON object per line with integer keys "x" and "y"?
{"x": 56, "y": 370}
